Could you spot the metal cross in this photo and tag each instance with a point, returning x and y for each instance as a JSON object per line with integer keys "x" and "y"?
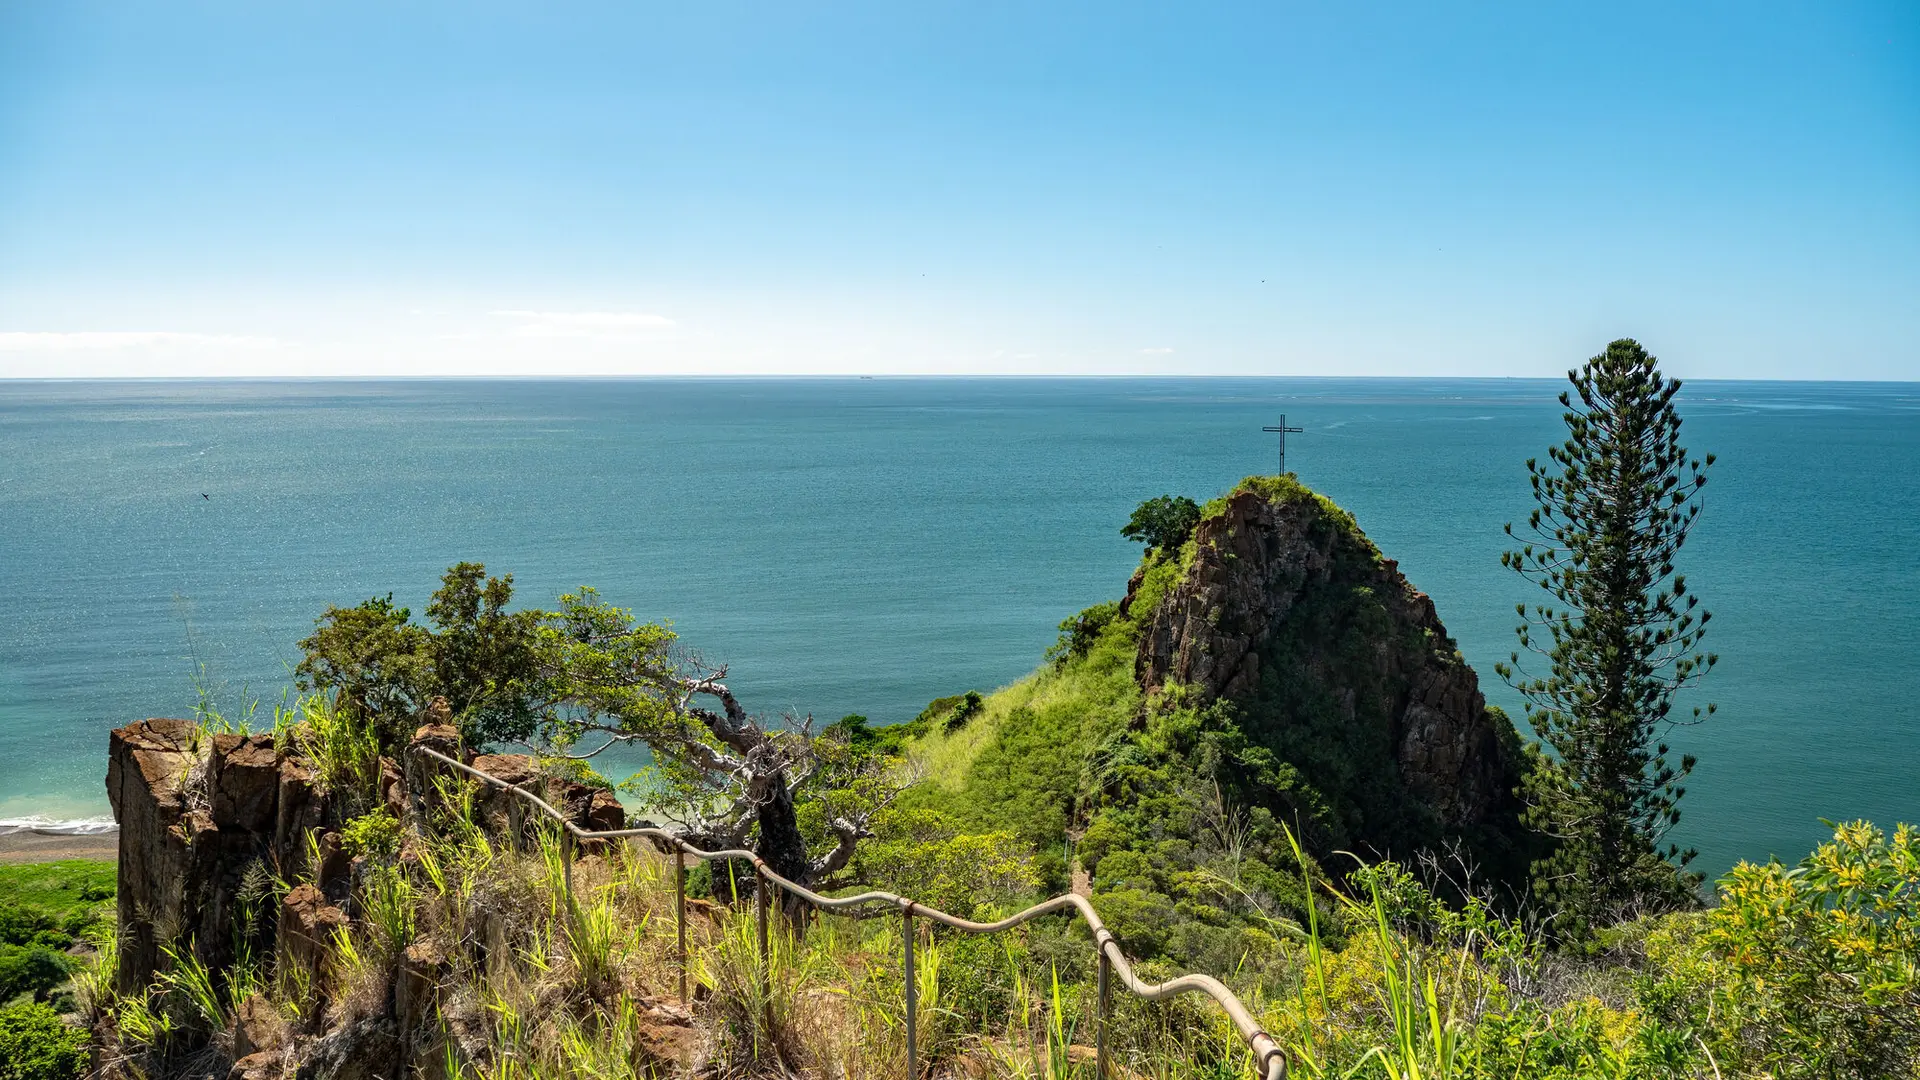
{"x": 1283, "y": 429}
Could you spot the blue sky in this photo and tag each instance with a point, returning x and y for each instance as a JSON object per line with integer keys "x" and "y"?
{"x": 993, "y": 188}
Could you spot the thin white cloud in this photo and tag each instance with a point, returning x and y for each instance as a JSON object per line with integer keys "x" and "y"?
{"x": 98, "y": 340}
{"x": 584, "y": 324}
{"x": 1155, "y": 352}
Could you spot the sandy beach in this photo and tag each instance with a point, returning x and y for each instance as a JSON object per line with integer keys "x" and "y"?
{"x": 32, "y": 847}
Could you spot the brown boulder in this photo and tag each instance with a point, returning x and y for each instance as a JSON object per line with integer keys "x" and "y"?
{"x": 605, "y": 813}
{"x": 590, "y": 808}
{"x": 307, "y": 925}
{"x": 421, "y": 771}
{"x": 668, "y": 1038}
{"x": 416, "y": 992}
{"x": 335, "y": 873}
{"x": 265, "y": 1065}
{"x": 257, "y": 1027}
{"x": 515, "y": 769}
{"x": 362, "y": 1050}
{"x": 302, "y": 809}
{"x": 393, "y": 788}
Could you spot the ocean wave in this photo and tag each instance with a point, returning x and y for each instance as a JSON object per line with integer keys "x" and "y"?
{"x": 46, "y": 826}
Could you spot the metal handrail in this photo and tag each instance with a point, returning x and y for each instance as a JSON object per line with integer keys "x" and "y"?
{"x": 1272, "y": 1062}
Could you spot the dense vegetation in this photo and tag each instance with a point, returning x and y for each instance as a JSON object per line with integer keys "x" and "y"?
{"x": 1361, "y": 971}
{"x": 51, "y": 916}
{"x": 573, "y": 681}
{"x": 1802, "y": 972}
{"x": 46, "y": 910}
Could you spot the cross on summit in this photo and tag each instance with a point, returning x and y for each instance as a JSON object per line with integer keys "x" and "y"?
{"x": 1283, "y": 429}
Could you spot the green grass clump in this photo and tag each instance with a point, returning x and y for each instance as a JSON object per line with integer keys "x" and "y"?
{"x": 44, "y": 909}
{"x": 61, "y": 890}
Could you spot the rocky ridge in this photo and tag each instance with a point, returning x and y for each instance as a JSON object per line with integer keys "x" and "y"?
{"x": 1287, "y": 610}
{"x": 208, "y": 822}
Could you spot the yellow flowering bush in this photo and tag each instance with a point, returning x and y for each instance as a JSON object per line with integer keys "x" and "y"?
{"x": 1812, "y": 971}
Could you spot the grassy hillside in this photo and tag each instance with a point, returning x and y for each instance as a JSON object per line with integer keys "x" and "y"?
{"x": 1178, "y": 807}
{"x": 45, "y": 909}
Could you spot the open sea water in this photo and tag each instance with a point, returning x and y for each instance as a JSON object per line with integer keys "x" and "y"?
{"x": 865, "y": 545}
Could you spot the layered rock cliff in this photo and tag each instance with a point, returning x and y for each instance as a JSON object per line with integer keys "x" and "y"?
{"x": 1336, "y": 662}
{"x": 213, "y": 831}
{"x": 1289, "y": 679}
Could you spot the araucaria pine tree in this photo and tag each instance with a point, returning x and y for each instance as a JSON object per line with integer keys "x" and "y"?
{"x": 1620, "y": 638}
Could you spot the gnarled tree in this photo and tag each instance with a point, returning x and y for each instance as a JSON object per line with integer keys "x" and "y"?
{"x": 585, "y": 677}
{"x": 724, "y": 776}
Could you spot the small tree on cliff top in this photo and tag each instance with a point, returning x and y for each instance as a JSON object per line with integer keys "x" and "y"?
{"x": 1620, "y": 637}
{"x": 477, "y": 655}
{"x": 1163, "y": 523}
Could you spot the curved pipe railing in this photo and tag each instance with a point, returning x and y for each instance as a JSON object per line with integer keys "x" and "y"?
{"x": 1270, "y": 1060}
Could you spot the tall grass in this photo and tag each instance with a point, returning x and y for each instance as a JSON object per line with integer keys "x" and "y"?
{"x": 1040, "y": 1045}
{"x": 1417, "y": 1030}
{"x": 598, "y": 939}
{"x": 758, "y": 1008}
{"x": 389, "y": 905}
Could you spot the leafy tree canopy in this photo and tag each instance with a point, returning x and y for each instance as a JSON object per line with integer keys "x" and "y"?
{"x": 586, "y": 676}
{"x": 1163, "y": 523}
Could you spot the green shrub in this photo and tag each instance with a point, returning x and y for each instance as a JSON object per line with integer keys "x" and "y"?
{"x": 1162, "y": 523}
{"x": 925, "y": 855}
{"x": 1806, "y": 972}
{"x": 36, "y": 1045}
{"x": 1081, "y": 632}
{"x": 975, "y": 973}
{"x": 573, "y": 771}
{"x": 375, "y": 835}
{"x": 18, "y": 924}
{"x": 1582, "y": 1040}
{"x": 1139, "y": 918}
{"x": 30, "y": 969}
{"x": 969, "y": 706}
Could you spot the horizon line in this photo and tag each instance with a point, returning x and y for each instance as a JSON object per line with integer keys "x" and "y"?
{"x": 896, "y": 377}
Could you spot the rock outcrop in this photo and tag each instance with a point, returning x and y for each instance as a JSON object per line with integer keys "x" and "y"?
{"x": 147, "y": 764}
{"x": 1287, "y": 610}
{"x": 208, "y": 822}
{"x": 197, "y": 815}
{"x": 593, "y": 809}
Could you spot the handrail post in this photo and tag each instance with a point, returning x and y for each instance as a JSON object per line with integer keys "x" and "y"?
{"x": 566, "y": 862}
{"x": 913, "y": 992}
{"x": 761, "y": 886}
{"x": 1106, "y": 1011}
{"x": 514, "y": 817}
{"x": 680, "y": 913}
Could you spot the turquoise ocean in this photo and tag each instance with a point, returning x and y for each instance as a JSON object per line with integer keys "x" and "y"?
{"x": 865, "y": 545}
